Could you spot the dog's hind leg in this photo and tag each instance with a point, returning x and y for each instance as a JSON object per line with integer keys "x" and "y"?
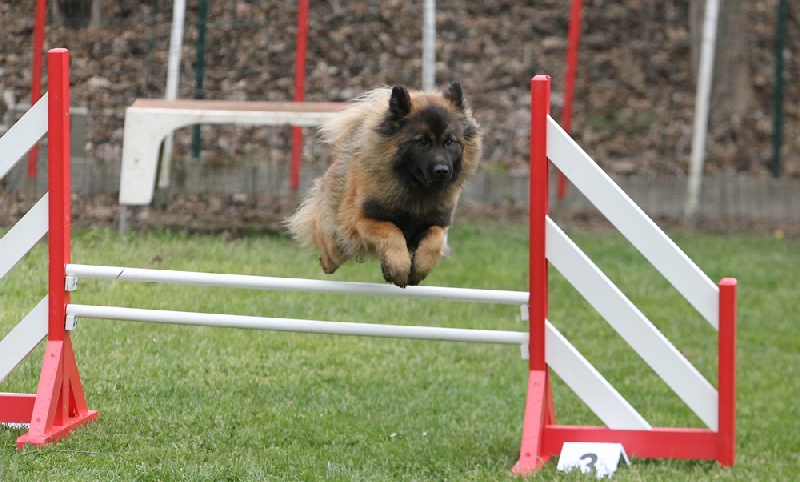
{"x": 327, "y": 262}
{"x": 330, "y": 258}
{"x": 430, "y": 249}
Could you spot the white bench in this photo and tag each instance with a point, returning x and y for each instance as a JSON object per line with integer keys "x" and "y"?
{"x": 149, "y": 121}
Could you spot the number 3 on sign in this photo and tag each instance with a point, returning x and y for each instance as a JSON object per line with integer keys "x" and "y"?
{"x": 590, "y": 459}
{"x": 600, "y": 458}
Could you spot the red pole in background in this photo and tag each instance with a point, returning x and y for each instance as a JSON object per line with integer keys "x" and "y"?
{"x": 36, "y": 76}
{"x": 299, "y": 86}
{"x": 573, "y": 35}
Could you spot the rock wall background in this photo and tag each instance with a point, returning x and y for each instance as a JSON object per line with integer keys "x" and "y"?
{"x": 634, "y": 99}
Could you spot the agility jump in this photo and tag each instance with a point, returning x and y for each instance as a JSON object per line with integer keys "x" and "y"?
{"x": 59, "y": 405}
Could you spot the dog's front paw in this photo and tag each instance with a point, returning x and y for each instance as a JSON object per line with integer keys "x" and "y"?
{"x": 416, "y": 276}
{"x": 421, "y": 266}
{"x": 428, "y": 253}
{"x": 396, "y": 269}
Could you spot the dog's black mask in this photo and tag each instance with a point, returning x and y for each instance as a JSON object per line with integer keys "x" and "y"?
{"x": 430, "y": 139}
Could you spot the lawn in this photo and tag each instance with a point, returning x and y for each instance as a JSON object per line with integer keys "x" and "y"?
{"x": 189, "y": 403}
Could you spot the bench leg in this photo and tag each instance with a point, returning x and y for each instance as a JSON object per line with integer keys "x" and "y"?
{"x": 141, "y": 144}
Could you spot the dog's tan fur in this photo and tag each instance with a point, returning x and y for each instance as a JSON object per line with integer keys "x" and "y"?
{"x": 332, "y": 217}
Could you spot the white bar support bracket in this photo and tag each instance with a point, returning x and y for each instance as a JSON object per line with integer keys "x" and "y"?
{"x": 70, "y": 283}
{"x": 71, "y": 323}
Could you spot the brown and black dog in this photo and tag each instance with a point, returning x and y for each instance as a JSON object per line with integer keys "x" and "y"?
{"x": 400, "y": 159}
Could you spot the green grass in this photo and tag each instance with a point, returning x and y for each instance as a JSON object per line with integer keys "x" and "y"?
{"x": 188, "y": 403}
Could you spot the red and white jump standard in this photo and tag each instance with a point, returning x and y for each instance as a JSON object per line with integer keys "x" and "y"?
{"x": 59, "y": 404}
{"x": 541, "y": 436}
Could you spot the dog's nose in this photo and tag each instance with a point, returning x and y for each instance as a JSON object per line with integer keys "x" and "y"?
{"x": 441, "y": 171}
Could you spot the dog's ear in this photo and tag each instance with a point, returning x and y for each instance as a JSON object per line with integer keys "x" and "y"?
{"x": 455, "y": 96}
{"x": 399, "y": 103}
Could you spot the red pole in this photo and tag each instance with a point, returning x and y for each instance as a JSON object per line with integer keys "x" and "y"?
{"x": 36, "y": 75}
{"x": 573, "y": 35}
{"x": 59, "y": 187}
{"x": 60, "y": 403}
{"x": 539, "y": 200}
{"x": 299, "y": 87}
{"x": 727, "y": 372}
{"x": 539, "y": 410}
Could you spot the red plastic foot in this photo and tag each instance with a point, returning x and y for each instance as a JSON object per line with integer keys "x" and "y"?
{"x": 538, "y": 412}
{"x": 60, "y": 406}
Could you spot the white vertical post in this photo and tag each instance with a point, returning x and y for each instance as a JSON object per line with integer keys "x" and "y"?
{"x": 429, "y": 53}
{"x": 429, "y": 45}
{"x": 704, "y": 79}
{"x": 173, "y": 74}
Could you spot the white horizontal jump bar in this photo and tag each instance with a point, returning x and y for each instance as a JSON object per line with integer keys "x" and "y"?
{"x": 567, "y": 362}
{"x": 176, "y": 117}
{"x": 296, "y": 325}
{"x": 295, "y": 284}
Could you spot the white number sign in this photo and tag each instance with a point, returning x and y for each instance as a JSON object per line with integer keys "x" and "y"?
{"x": 600, "y": 458}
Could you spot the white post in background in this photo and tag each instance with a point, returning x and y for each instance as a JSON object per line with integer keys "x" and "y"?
{"x": 429, "y": 45}
{"x": 704, "y": 78}
{"x": 173, "y": 74}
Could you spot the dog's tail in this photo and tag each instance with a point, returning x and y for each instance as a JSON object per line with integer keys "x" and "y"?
{"x": 301, "y": 224}
{"x": 345, "y": 126}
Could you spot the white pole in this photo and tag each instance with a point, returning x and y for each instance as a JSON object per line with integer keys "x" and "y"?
{"x": 705, "y": 76}
{"x": 173, "y": 74}
{"x": 429, "y": 52}
{"x": 429, "y": 45}
{"x": 240, "y": 281}
{"x": 301, "y": 326}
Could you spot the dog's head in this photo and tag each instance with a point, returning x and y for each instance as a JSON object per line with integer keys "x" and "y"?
{"x": 436, "y": 138}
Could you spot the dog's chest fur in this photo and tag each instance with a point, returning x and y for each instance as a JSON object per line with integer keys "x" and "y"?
{"x": 412, "y": 223}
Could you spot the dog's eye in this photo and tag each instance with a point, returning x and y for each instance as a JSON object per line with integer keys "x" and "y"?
{"x": 424, "y": 141}
{"x": 450, "y": 142}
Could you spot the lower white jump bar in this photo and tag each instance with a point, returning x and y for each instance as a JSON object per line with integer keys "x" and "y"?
{"x": 295, "y": 325}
